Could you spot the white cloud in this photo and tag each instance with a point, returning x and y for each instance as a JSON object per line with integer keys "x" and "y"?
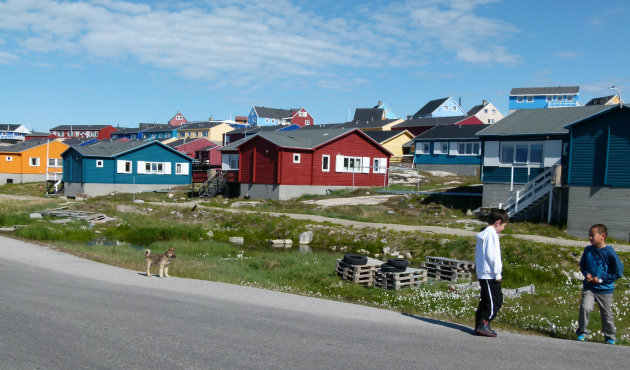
{"x": 8, "y": 58}
{"x": 228, "y": 41}
{"x": 568, "y": 54}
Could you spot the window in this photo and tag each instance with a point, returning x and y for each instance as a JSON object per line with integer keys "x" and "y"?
{"x": 522, "y": 154}
{"x": 549, "y": 98}
{"x": 446, "y": 107}
{"x": 530, "y": 99}
{"x": 9, "y": 158}
{"x": 519, "y": 99}
{"x": 229, "y": 161}
{"x": 266, "y": 120}
{"x": 296, "y": 158}
{"x": 422, "y": 148}
{"x": 352, "y": 164}
{"x": 485, "y": 111}
{"x": 325, "y": 163}
{"x": 569, "y": 97}
{"x": 468, "y": 148}
{"x": 307, "y": 121}
{"x": 380, "y": 165}
{"x": 55, "y": 162}
{"x": 440, "y": 147}
{"x": 453, "y": 108}
{"x": 99, "y": 163}
{"x": 273, "y": 120}
{"x": 181, "y": 168}
{"x": 123, "y": 166}
{"x": 154, "y": 167}
{"x": 33, "y": 161}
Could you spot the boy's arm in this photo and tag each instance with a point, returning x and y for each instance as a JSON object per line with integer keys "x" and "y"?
{"x": 615, "y": 269}
{"x": 494, "y": 256}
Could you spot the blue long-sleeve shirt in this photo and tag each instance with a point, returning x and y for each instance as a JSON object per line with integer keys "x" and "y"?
{"x": 603, "y": 263}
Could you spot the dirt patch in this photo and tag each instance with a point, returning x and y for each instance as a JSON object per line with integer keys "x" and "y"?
{"x": 354, "y": 201}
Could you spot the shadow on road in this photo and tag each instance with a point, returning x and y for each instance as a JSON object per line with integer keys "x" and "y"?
{"x": 459, "y": 327}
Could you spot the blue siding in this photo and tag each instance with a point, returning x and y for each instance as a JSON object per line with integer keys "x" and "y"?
{"x": 72, "y": 166}
{"x": 540, "y": 101}
{"x": 618, "y": 162}
{"x": 503, "y": 174}
{"x": 440, "y": 112}
{"x": 252, "y": 119}
{"x": 588, "y": 154}
{"x": 99, "y": 175}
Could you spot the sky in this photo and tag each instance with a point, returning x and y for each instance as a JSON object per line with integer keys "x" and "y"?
{"x": 130, "y": 61}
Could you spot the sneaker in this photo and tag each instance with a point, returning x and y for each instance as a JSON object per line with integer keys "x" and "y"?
{"x": 581, "y": 337}
{"x": 485, "y": 330}
{"x": 612, "y": 342}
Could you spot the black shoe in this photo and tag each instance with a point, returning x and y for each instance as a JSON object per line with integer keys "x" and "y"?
{"x": 485, "y": 330}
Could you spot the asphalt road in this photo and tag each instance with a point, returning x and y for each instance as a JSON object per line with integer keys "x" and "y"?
{"x": 63, "y": 312}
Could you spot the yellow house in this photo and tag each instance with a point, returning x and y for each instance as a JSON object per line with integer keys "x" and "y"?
{"x": 31, "y": 161}
{"x": 392, "y": 140}
{"x": 211, "y": 130}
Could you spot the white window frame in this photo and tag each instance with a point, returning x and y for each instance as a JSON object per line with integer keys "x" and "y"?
{"x": 446, "y": 108}
{"x": 380, "y": 165}
{"x": 467, "y": 145}
{"x": 514, "y": 145}
{"x": 423, "y": 147}
{"x": 530, "y": 99}
{"x": 520, "y": 99}
{"x": 55, "y": 162}
{"x": 326, "y": 168}
{"x": 570, "y": 97}
{"x": 349, "y": 164}
{"x": 8, "y": 158}
{"x": 307, "y": 121}
{"x": 228, "y": 160}
{"x": 124, "y": 166}
{"x": 559, "y": 97}
{"x": 296, "y": 157}
{"x": 266, "y": 120}
{"x": 99, "y": 163}
{"x": 181, "y": 169}
{"x": 33, "y": 161}
{"x": 454, "y": 108}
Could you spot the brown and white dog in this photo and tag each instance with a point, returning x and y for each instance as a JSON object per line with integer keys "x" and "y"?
{"x": 162, "y": 260}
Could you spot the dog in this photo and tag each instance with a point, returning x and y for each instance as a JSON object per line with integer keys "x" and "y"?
{"x": 162, "y": 260}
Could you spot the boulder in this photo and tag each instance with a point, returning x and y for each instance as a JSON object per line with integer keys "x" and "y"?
{"x": 237, "y": 240}
{"x": 306, "y": 237}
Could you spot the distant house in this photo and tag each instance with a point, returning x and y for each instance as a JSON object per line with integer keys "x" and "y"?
{"x": 159, "y": 132}
{"x": 126, "y": 167}
{"x": 452, "y": 148}
{"x": 211, "y": 130}
{"x": 177, "y": 120}
{"x": 444, "y": 107}
{"x": 392, "y": 141}
{"x": 599, "y": 171}
{"x": 40, "y": 136}
{"x": 377, "y": 113}
{"x": 419, "y": 125}
{"x": 241, "y": 120}
{"x": 100, "y": 132}
{"x": 31, "y": 161}
{"x": 486, "y": 112}
{"x": 190, "y": 146}
{"x": 234, "y": 135}
{"x": 544, "y": 97}
{"x": 605, "y": 100}
{"x": 13, "y": 133}
{"x": 376, "y": 125}
{"x": 283, "y": 165}
{"x": 209, "y": 155}
{"x": 264, "y": 116}
{"x": 127, "y": 133}
{"x": 526, "y": 160}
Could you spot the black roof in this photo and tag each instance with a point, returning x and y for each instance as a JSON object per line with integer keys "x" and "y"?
{"x": 368, "y": 114}
{"x": 450, "y": 132}
{"x": 158, "y": 128}
{"x": 255, "y": 129}
{"x": 545, "y": 90}
{"x": 601, "y": 100}
{"x": 9, "y": 127}
{"x": 127, "y": 130}
{"x": 429, "y": 107}
{"x": 364, "y": 124}
{"x": 380, "y": 136}
{"x": 430, "y": 121}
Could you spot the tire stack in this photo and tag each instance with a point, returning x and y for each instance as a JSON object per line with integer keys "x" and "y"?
{"x": 395, "y": 275}
{"x": 357, "y": 269}
{"x": 448, "y": 269}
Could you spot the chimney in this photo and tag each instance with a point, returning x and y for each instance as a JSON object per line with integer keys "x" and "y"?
{"x": 380, "y": 102}
{"x": 460, "y": 102}
{"x": 484, "y": 102}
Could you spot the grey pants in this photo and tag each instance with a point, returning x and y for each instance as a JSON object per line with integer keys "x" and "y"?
{"x": 604, "y": 301}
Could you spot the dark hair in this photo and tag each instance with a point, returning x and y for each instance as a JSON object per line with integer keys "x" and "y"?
{"x": 497, "y": 214}
{"x": 601, "y": 228}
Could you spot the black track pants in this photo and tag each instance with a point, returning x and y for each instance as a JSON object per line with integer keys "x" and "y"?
{"x": 491, "y": 300}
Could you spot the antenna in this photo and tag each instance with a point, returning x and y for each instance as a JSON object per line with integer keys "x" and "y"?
{"x": 615, "y": 87}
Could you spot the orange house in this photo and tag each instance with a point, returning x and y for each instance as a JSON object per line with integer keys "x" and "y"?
{"x": 31, "y": 161}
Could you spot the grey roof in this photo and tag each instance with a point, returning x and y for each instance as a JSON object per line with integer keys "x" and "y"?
{"x": 251, "y": 130}
{"x": 127, "y": 130}
{"x": 22, "y": 146}
{"x": 430, "y": 107}
{"x": 200, "y": 125}
{"x": 476, "y": 109}
{"x": 601, "y": 100}
{"x": 450, "y": 132}
{"x": 79, "y": 127}
{"x": 158, "y": 128}
{"x": 368, "y": 114}
{"x": 380, "y": 136}
{"x": 541, "y": 121}
{"x": 299, "y": 139}
{"x": 430, "y": 121}
{"x": 545, "y": 90}
{"x": 8, "y": 127}
{"x": 365, "y": 124}
{"x": 38, "y": 133}
{"x": 276, "y": 113}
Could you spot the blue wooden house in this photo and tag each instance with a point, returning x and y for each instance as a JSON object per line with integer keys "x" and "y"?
{"x": 599, "y": 172}
{"x": 525, "y": 161}
{"x": 444, "y": 107}
{"x": 264, "y": 116}
{"x": 126, "y": 167}
{"x": 159, "y": 132}
{"x": 127, "y": 133}
{"x": 544, "y": 97}
{"x": 452, "y": 148}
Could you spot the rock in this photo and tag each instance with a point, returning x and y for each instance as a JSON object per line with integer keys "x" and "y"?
{"x": 390, "y": 212}
{"x": 237, "y": 240}
{"x": 138, "y": 201}
{"x": 35, "y": 215}
{"x": 408, "y": 255}
{"x": 386, "y": 250}
{"x": 288, "y": 243}
{"x": 277, "y": 243}
{"x": 469, "y": 213}
{"x": 210, "y": 234}
{"x": 170, "y": 195}
{"x": 306, "y": 237}
{"x": 377, "y": 255}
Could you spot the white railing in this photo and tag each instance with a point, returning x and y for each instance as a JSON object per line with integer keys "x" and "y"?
{"x": 537, "y": 188}
{"x": 561, "y": 104}
{"x": 56, "y": 177}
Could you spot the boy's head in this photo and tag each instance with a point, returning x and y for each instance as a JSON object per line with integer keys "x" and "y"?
{"x": 498, "y": 218}
{"x": 597, "y": 235}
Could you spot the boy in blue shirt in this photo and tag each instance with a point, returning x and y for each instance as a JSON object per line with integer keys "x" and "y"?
{"x": 600, "y": 266}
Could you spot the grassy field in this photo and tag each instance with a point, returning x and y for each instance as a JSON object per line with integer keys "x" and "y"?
{"x": 551, "y": 311}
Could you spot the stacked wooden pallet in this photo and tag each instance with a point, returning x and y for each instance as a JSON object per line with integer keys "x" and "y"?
{"x": 411, "y": 277}
{"x": 448, "y": 269}
{"x": 359, "y": 274}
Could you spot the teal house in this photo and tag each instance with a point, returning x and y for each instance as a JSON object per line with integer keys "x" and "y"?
{"x": 125, "y": 167}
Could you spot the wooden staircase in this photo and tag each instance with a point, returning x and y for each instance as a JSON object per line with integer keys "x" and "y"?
{"x": 214, "y": 186}
{"x": 54, "y": 183}
{"x": 533, "y": 193}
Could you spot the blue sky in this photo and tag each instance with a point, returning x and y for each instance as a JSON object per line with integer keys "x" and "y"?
{"x": 125, "y": 62}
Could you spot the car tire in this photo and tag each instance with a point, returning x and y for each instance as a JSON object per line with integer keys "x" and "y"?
{"x": 398, "y": 262}
{"x": 355, "y": 259}
{"x": 386, "y": 267}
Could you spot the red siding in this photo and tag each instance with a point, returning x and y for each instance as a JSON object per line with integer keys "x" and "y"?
{"x": 258, "y": 160}
{"x": 472, "y": 120}
{"x": 301, "y": 121}
{"x": 190, "y": 147}
{"x": 296, "y": 173}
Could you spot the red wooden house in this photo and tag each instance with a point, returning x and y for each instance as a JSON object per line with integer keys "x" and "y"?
{"x": 190, "y": 146}
{"x": 284, "y": 165}
{"x": 100, "y": 132}
{"x": 301, "y": 117}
